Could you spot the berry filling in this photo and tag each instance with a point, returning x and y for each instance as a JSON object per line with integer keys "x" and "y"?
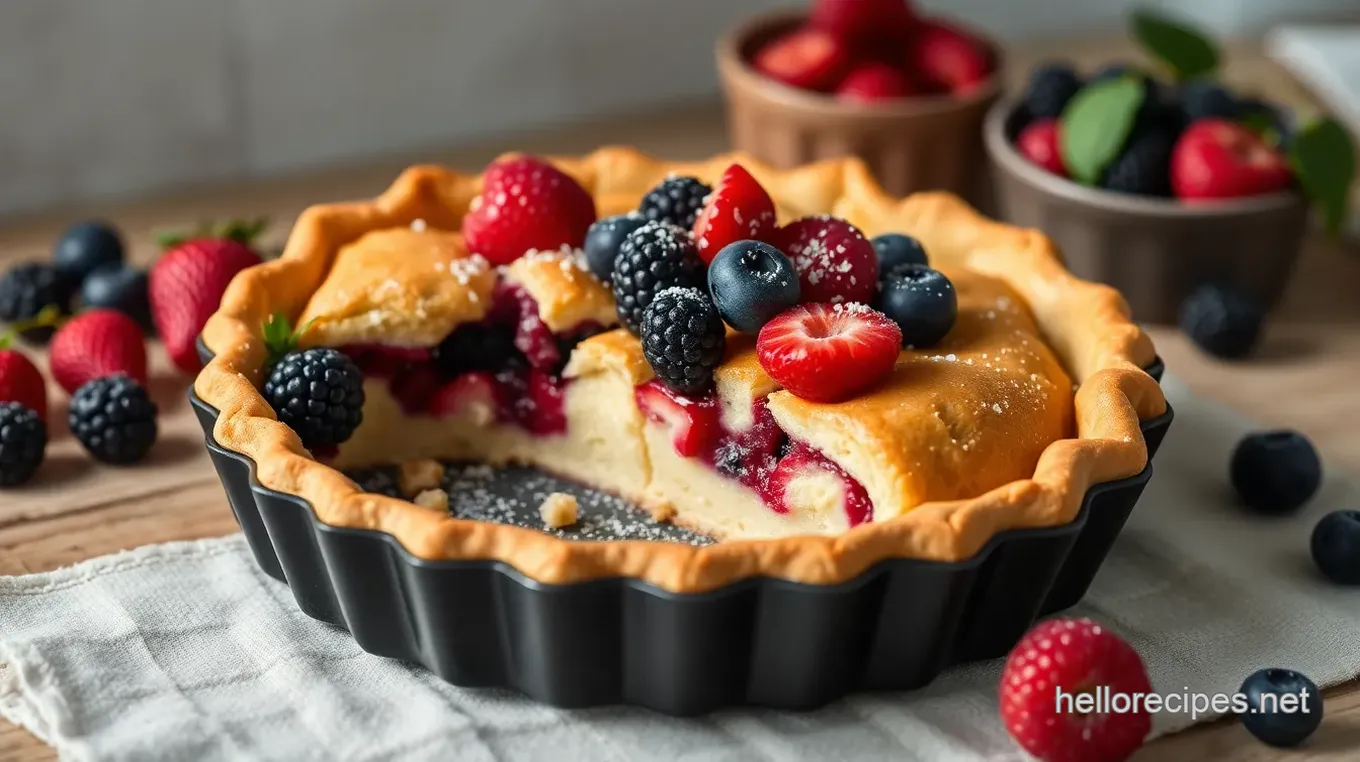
{"x": 505, "y": 368}
{"x": 761, "y": 457}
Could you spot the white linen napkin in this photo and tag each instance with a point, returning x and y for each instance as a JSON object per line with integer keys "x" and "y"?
{"x": 188, "y": 651}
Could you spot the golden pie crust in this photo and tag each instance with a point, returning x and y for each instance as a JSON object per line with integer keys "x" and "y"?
{"x": 1086, "y": 326}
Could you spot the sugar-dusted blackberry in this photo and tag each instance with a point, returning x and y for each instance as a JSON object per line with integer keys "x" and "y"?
{"x": 1050, "y": 88}
{"x": 114, "y": 419}
{"x": 1144, "y": 166}
{"x": 23, "y": 442}
{"x": 683, "y": 339}
{"x": 318, "y": 393}
{"x": 677, "y": 200}
{"x": 25, "y": 290}
{"x": 653, "y": 258}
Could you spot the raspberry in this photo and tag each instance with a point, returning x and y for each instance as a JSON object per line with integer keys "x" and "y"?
{"x": 1074, "y": 656}
{"x": 835, "y": 262}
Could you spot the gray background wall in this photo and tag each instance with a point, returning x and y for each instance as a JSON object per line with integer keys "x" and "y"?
{"x": 118, "y": 97}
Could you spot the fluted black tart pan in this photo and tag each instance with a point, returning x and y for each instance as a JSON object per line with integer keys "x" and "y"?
{"x": 760, "y": 641}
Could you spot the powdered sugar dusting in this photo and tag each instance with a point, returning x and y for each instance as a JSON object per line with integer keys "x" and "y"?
{"x": 478, "y": 492}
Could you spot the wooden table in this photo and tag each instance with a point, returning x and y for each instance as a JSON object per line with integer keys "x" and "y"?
{"x": 1304, "y": 377}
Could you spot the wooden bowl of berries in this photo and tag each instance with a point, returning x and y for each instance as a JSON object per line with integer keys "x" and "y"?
{"x": 866, "y": 78}
{"x": 1166, "y": 190}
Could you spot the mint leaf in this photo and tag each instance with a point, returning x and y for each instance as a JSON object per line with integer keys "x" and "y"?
{"x": 1097, "y": 123}
{"x": 1324, "y": 161}
{"x": 1182, "y": 49}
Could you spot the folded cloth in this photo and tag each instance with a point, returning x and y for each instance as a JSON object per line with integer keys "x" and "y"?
{"x": 187, "y": 651}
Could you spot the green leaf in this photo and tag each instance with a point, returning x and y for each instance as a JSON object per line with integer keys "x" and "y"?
{"x": 280, "y": 338}
{"x": 1323, "y": 158}
{"x": 239, "y": 230}
{"x": 1263, "y": 124}
{"x": 1181, "y": 48}
{"x": 1096, "y": 124}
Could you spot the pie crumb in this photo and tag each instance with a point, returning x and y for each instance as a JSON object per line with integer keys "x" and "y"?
{"x": 433, "y": 499}
{"x": 558, "y": 510}
{"x": 417, "y": 476}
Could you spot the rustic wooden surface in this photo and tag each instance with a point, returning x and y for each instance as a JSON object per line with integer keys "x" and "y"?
{"x": 1304, "y": 376}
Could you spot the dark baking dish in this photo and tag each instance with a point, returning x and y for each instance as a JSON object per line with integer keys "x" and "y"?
{"x": 762, "y": 641}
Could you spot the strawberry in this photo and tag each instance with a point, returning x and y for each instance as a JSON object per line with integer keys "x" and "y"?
{"x": 95, "y": 344}
{"x": 1216, "y": 158}
{"x": 527, "y": 203}
{"x": 738, "y": 209}
{"x": 835, "y": 262}
{"x": 874, "y": 81}
{"x": 861, "y": 21}
{"x": 186, "y": 284}
{"x": 1040, "y": 142}
{"x": 948, "y": 58}
{"x": 1075, "y": 656}
{"x": 20, "y": 380}
{"x": 694, "y": 422}
{"x": 828, "y": 352}
{"x": 806, "y": 58}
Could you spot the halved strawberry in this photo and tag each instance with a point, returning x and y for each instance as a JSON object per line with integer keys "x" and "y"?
{"x": 835, "y": 262}
{"x": 875, "y": 81}
{"x": 948, "y": 58}
{"x": 526, "y": 203}
{"x": 738, "y": 209}
{"x": 695, "y": 424}
{"x": 829, "y": 353}
{"x": 861, "y": 21}
{"x": 808, "y": 58}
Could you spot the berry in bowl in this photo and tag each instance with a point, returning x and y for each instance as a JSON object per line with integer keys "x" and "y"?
{"x": 868, "y": 78}
{"x": 1162, "y": 188}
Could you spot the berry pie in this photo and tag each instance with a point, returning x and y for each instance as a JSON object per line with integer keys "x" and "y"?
{"x": 793, "y": 363}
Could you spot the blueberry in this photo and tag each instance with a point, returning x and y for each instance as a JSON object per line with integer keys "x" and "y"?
{"x": 1207, "y": 99}
{"x": 896, "y": 249}
{"x": 604, "y": 239}
{"x": 921, "y": 301}
{"x": 751, "y": 282}
{"x": 1224, "y": 322}
{"x": 86, "y": 247}
{"x": 1336, "y": 547}
{"x": 118, "y": 287}
{"x": 1275, "y": 472}
{"x": 1283, "y": 707}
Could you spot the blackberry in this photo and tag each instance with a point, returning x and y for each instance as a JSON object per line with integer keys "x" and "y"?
{"x": 683, "y": 339}
{"x": 655, "y": 257}
{"x": 25, "y": 290}
{"x": 1144, "y": 166}
{"x": 23, "y": 441}
{"x": 1223, "y": 322}
{"x": 318, "y": 393}
{"x": 476, "y": 346}
{"x": 1206, "y": 99}
{"x": 1050, "y": 87}
{"x": 114, "y": 419}
{"x": 677, "y": 200}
